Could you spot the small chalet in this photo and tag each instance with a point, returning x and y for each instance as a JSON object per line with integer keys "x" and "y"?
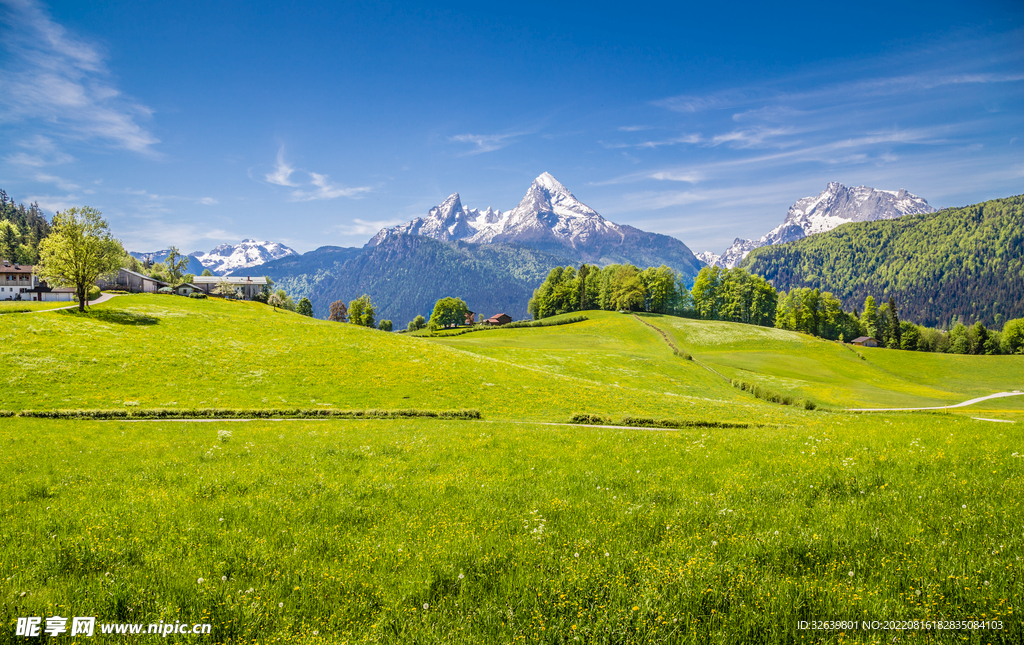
{"x": 186, "y": 289}
{"x": 498, "y": 319}
{"x": 16, "y": 279}
{"x": 865, "y": 341}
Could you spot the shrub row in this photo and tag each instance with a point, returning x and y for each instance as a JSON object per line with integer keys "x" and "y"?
{"x": 253, "y": 413}
{"x": 647, "y": 422}
{"x": 514, "y": 325}
{"x": 770, "y": 396}
{"x": 675, "y": 350}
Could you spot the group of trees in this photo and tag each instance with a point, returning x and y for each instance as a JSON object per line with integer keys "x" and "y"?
{"x": 360, "y": 311}
{"x": 22, "y": 229}
{"x": 616, "y": 287}
{"x": 717, "y": 294}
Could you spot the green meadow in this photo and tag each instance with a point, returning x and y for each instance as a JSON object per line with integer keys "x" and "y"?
{"x": 20, "y": 306}
{"x": 517, "y": 527}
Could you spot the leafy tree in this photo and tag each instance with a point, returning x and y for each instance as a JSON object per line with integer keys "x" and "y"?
{"x": 275, "y": 301}
{"x": 978, "y": 339}
{"x": 285, "y": 300}
{"x": 225, "y": 289}
{"x": 79, "y": 249}
{"x": 448, "y": 312}
{"x": 362, "y": 312}
{"x": 417, "y": 323}
{"x": 1013, "y": 336}
{"x": 958, "y": 341}
{"x": 305, "y": 307}
{"x": 910, "y": 336}
{"x": 176, "y": 265}
{"x": 338, "y": 312}
{"x": 869, "y": 319}
{"x": 385, "y": 325}
{"x": 207, "y": 273}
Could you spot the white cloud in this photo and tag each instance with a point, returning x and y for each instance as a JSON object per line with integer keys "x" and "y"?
{"x": 208, "y": 201}
{"x": 61, "y": 83}
{"x": 486, "y": 142}
{"x": 671, "y": 175}
{"x": 326, "y": 190}
{"x": 60, "y": 183}
{"x": 282, "y": 171}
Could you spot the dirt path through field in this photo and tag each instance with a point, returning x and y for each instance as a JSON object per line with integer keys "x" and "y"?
{"x": 103, "y": 298}
{"x": 997, "y": 395}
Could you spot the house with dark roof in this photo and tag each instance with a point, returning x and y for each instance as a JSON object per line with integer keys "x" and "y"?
{"x": 132, "y": 282}
{"x": 498, "y": 319}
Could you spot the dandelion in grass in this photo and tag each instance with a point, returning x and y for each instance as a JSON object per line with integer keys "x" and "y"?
{"x": 851, "y": 574}
{"x": 606, "y": 554}
{"x": 280, "y": 605}
{"x": 200, "y": 581}
{"x": 224, "y": 578}
{"x": 461, "y": 576}
{"x": 426, "y": 606}
{"x": 576, "y": 555}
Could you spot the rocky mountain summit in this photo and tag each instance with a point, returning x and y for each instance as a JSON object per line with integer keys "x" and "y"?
{"x": 836, "y": 205}
{"x": 549, "y": 218}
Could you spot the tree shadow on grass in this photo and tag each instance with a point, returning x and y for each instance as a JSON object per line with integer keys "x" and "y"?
{"x": 114, "y": 316}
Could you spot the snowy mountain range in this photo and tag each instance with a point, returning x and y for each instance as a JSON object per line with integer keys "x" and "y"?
{"x": 837, "y": 204}
{"x": 226, "y": 258}
{"x": 548, "y": 218}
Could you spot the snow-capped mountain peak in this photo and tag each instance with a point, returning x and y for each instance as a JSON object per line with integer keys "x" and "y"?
{"x": 227, "y": 258}
{"x": 837, "y": 204}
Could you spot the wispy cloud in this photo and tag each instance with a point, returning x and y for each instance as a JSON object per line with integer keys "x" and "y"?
{"x": 658, "y": 143}
{"x": 61, "y": 83}
{"x": 282, "y": 171}
{"x": 327, "y": 190}
{"x": 486, "y": 142}
{"x": 208, "y": 201}
{"x": 60, "y": 183}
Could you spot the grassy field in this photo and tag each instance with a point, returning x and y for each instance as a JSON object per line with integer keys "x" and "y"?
{"x": 839, "y": 375}
{"x": 506, "y": 529}
{"x": 468, "y": 532}
{"x": 165, "y": 351}
{"x": 14, "y": 306}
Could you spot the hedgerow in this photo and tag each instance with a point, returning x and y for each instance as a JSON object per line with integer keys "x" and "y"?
{"x": 244, "y": 413}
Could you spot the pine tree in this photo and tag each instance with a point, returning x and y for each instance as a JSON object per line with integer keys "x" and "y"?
{"x": 893, "y": 342}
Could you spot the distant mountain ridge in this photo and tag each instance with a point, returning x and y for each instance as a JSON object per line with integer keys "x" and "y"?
{"x": 549, "y": 218}
{"x": 225, "y": 258}
{"x": 963, "y": 262}
{"x": 836, "y": 205}
{"x": 406, "y": 274}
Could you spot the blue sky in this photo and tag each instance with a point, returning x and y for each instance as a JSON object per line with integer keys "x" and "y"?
{"x": 196, "y": 123}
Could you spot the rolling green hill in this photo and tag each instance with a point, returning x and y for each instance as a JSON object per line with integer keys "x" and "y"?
{"x": 966, "y": 262}
{"x": 152, "y": 351}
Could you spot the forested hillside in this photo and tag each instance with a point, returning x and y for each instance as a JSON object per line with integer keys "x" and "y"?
{"x": 21, "y": 229}
{"x": 959, "y": 262}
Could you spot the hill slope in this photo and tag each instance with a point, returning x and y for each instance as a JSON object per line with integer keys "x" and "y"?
{"x": 966, "y": 262}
